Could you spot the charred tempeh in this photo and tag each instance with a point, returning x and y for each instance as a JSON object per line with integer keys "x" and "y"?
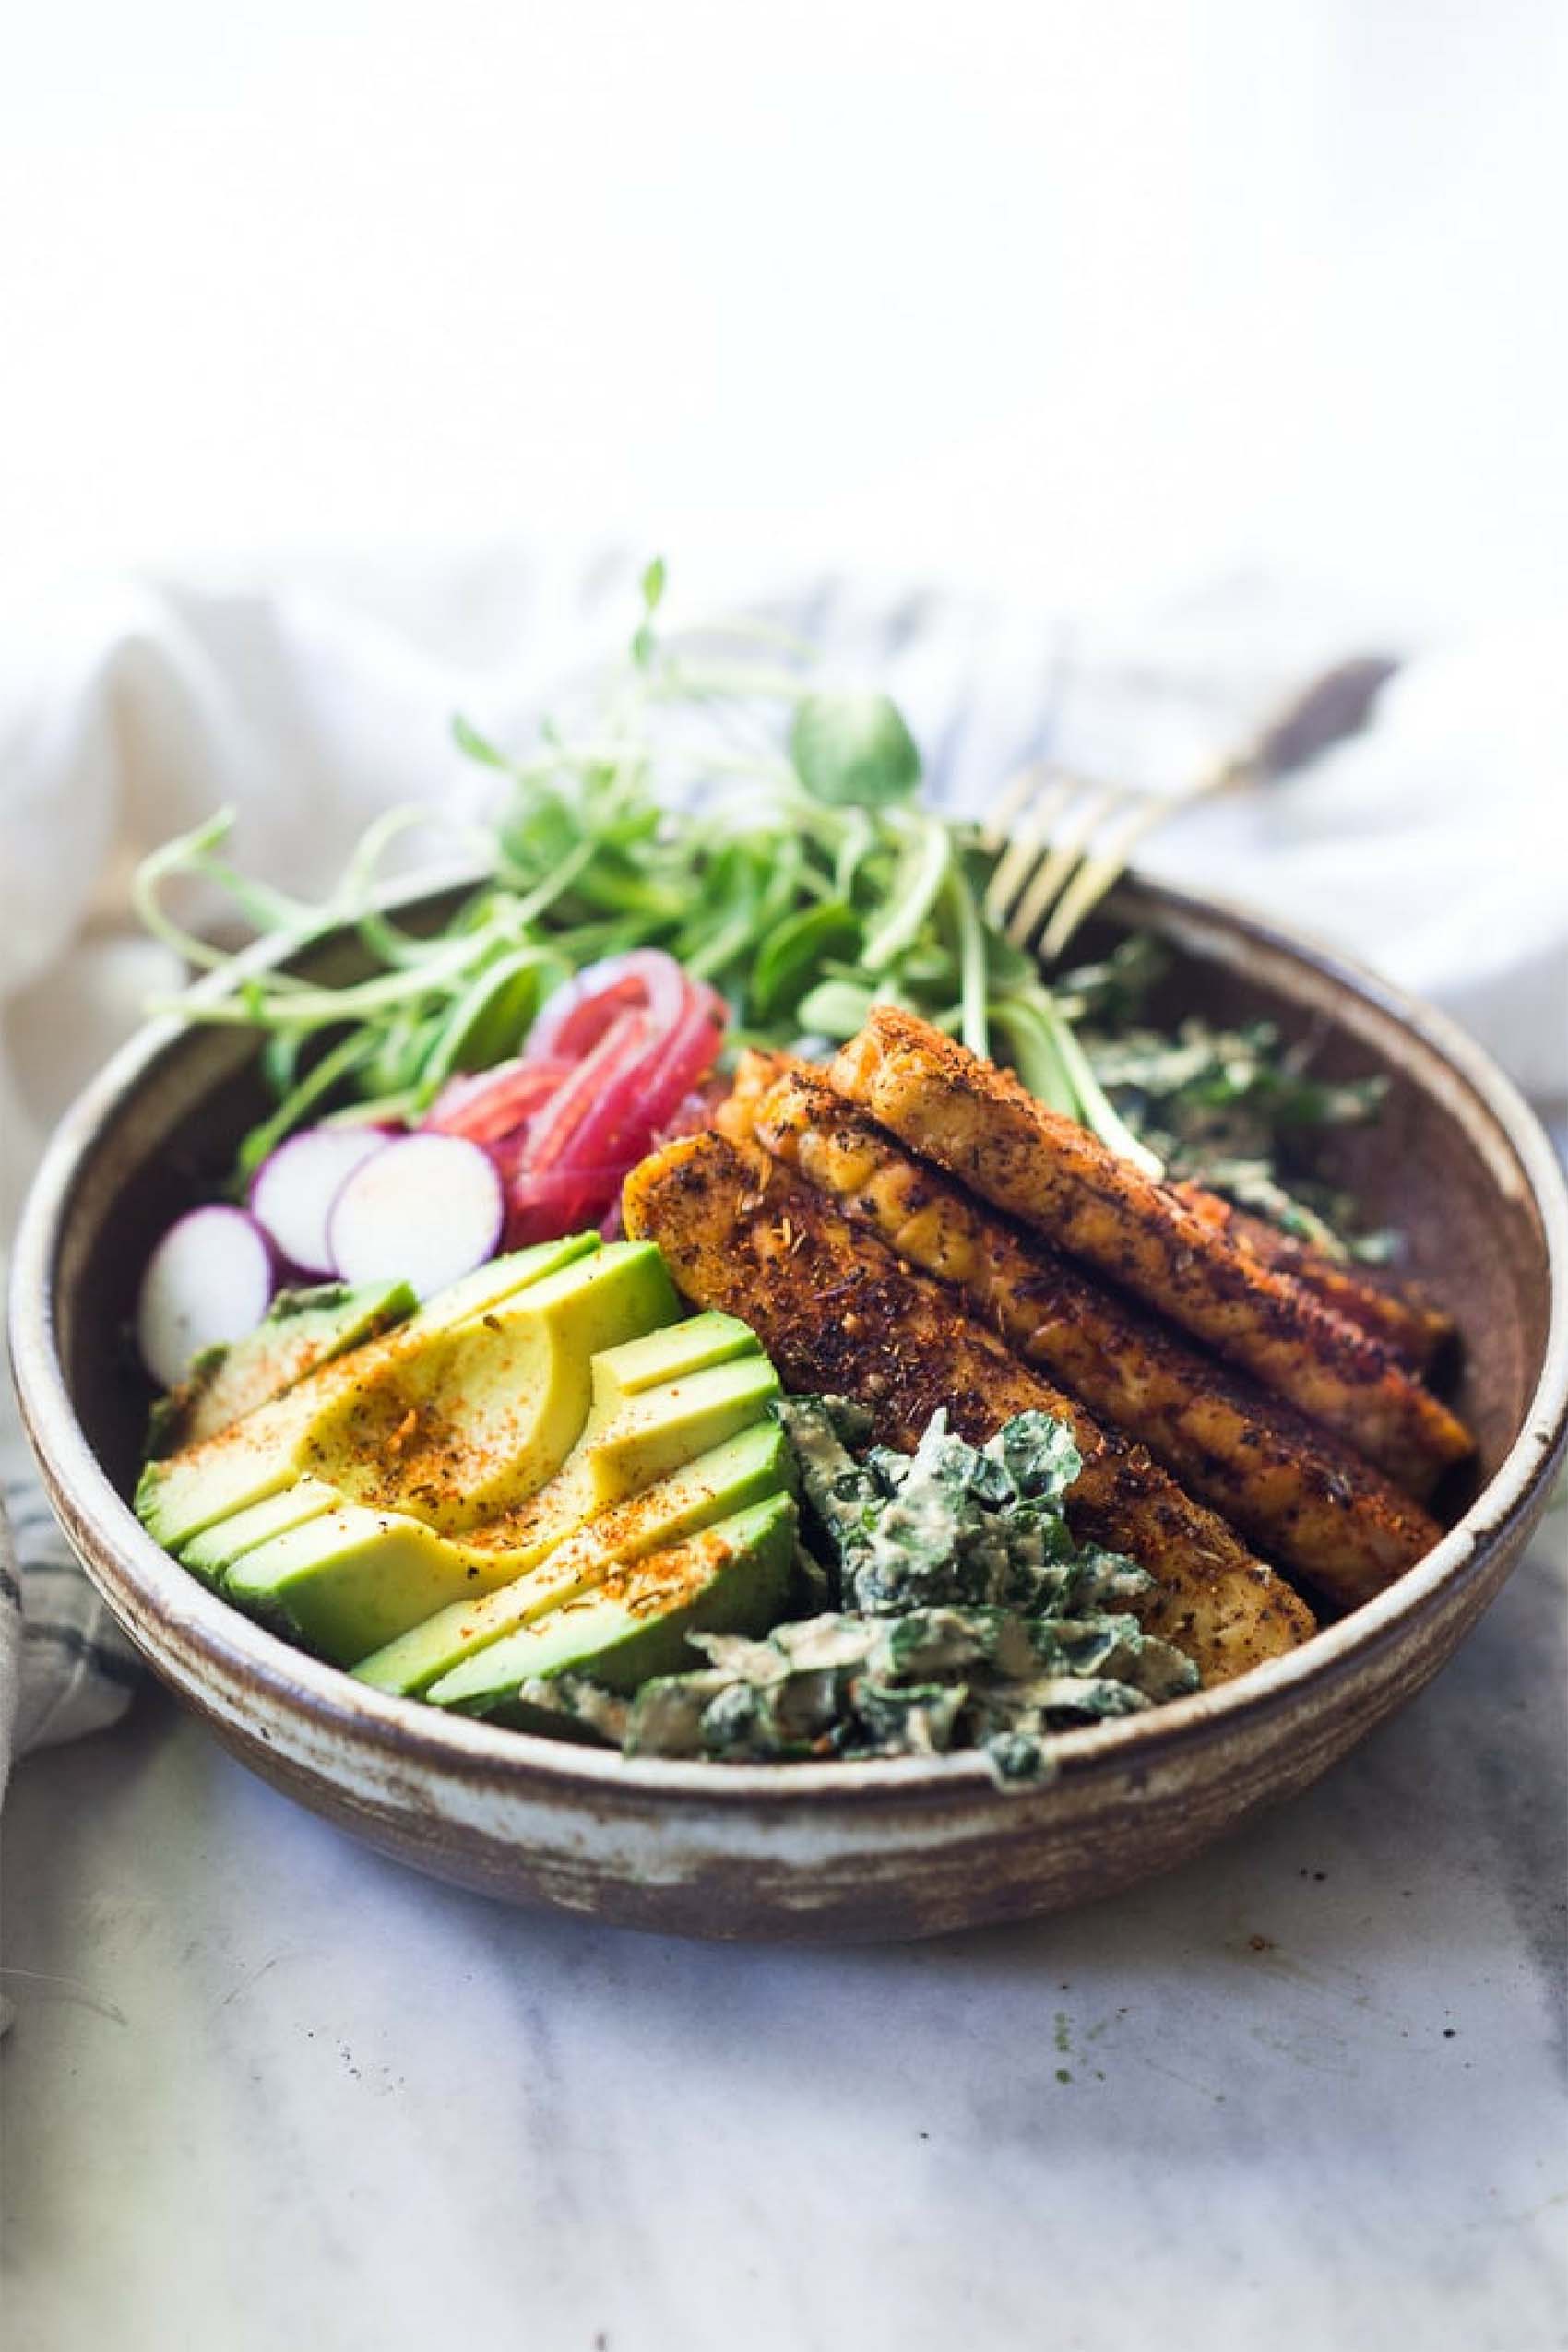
{"x": 1296, "y": 1492}
{"x": 1408, "y": 1325}
{"x": 838, "y": 1314}
{"x": 979, "y": 1124}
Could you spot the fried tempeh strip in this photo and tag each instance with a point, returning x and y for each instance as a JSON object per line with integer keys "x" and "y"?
{"x": 1293, "y": 1490}
{"x": 838, "y": 1314}
{"x": 1409, "y": 1326}
{"x": 979, "y": 1124}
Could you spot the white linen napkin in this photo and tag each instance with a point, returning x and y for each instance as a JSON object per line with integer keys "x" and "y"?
{"x": 1431, "y": 845}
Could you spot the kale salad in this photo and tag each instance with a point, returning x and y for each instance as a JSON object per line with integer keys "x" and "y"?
{"x": 951, "y": 1607}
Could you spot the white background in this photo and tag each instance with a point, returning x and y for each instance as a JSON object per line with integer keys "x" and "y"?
{"x": 1085, "y": 298}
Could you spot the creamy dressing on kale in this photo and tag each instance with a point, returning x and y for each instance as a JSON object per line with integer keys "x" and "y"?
{"x": 952, "y": 1608}
{"x": 1236, "y": 1109}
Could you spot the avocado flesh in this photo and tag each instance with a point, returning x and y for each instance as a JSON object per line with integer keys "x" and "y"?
{"x": 486, "y": 1414}
{"x": 747, "y": 1468}
{"x": 177, "y": 1499}
{"x": 301, "y": 1330}
{"x": 498, "y": 1280}
{"x": 672, "y": 1353}
{"x": 657, "y": 1403}
{"x": 731, "y": 1577}
{"x": 211, "y": 1554}
{"x": 352, "y": 1578}
{"x": 455, "y": 1420}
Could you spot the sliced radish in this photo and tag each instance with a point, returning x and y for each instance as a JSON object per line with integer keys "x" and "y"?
{"x": 293, "y": 1192}
{"x": 425, "y": 1211}
{"x": 210, "y": 1279}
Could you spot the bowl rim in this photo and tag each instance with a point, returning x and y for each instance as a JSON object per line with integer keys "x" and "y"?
{"x": 145, "y": 1586}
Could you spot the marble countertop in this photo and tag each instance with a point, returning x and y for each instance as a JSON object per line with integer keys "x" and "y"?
{"x": 266, "y": 2089}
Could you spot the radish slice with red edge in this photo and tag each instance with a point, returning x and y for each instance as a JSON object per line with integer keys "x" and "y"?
{"x": 209, "y": 1280}
{"x": 424, "y": 1211}
{"x": 292, "y": 1190}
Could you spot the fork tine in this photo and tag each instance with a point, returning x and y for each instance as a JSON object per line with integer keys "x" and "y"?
{"x": 1101, "y": 873}
{"x": 998, "y": 825}
{"x": 1058, "y": 868}
{"x": 1030, "y": 835}
{"x": 1096, "y": 875}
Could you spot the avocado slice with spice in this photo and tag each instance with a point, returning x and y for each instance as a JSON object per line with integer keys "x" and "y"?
{"x": 733, "y": 1577}
{"x": 355, "y": 1579}
{"x": 331, "y": 1557}
{"x": 455, "y": 1418}
{"x": 351, "y": 1577}
{"x": 744, "y": 1469}
{"x": 211, "y": 1554}
{"x": 301, "y": 1329}
{"x": 490, "y": 1285}
{"x": 657, "y": 1403}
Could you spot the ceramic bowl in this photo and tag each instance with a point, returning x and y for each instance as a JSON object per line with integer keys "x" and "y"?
{"x": 830, "y": 1852}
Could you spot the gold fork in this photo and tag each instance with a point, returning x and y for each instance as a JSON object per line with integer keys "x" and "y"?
{"x": 1061, "y": 840}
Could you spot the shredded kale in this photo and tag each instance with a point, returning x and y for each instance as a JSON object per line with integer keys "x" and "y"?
{"x": 962, "y": 1614}
{"x": 1230, "y": 1109}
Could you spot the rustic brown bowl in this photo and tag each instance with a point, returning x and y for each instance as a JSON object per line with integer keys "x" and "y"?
{"x": 887, "y": 1849}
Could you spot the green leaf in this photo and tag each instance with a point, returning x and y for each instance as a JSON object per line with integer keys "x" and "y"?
{"x": 853, "y": 749}
{"x": 652, "y": 587}
{"x": 834, "y": 1009}
{"x": 917, "y": 885}
{"x": 489, "y": 1021}
{"x": 792, "y": 955}
{"x": 473, "y": 744}
{"x": 1039, "y": 1455}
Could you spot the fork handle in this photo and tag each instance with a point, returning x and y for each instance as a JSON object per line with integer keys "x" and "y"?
{"x": 1335, "y": 704}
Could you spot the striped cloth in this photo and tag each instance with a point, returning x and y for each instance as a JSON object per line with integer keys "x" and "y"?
{"x": 66, "y": 1667}
{"x": 312, "y": 706}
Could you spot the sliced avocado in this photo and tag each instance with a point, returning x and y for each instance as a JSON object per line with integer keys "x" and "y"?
{"x": 211, "y": 1554}
{"x": 170, "y": 1495}
{"x": 504, "y": 1548}
{"x": 352, "y": 1577}
{"x": 670, "y": 1354}
{"x": 657, "y": 1402}
{"x": 501, "y": 1278}
{"x": 455, "y": 1420}
{"x": 482, "y": 1429}
{"x": 744, "y": 1469}
{"x": 301, "y": 1329}
{"x": 731, "y": 1577}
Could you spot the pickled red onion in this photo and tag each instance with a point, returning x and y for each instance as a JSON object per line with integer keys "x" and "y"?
{"x": 487, "y": 1108}
{"x": 615, "y": 1061}
{"x": 571, "y": 1021}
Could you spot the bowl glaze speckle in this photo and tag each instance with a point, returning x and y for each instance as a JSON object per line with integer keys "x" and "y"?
{"x": 826, "y": 1852}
